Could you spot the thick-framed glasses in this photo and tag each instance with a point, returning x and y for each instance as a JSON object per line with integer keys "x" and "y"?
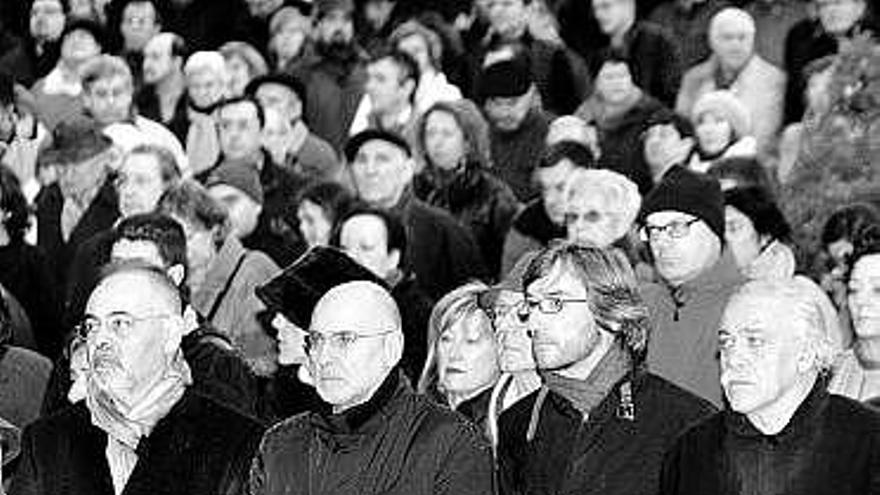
{"x": 342, "y": 341}
{"x": 676, "y": 229}
{"x": 546, "y": 305}
{"x": 117, "y": 324}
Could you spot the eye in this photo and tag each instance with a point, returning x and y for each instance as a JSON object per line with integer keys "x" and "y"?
{"x": 346, "y": 338}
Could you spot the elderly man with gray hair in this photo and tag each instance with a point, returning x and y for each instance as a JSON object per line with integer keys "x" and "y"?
{"x": 782, "y": 431}
{"x": 735, "y": 66}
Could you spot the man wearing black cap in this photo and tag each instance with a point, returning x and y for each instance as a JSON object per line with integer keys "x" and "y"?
{"x": 443, "y": 253}
{"x": 518, "y": 123}
{"x": 683, "y": 223}
{"x": 305, "y": 153}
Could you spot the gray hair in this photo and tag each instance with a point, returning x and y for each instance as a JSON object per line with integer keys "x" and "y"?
{"x": 731, "y": 16}
{"x": 620, "y": 196}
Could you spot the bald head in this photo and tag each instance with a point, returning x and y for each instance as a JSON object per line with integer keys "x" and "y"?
{"x": 360, "y": 306}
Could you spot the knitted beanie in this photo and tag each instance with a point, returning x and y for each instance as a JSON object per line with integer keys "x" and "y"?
{"x": 241, "y": 176}
{"x": 726, "y": 104}
{"x": 688, "y": 192}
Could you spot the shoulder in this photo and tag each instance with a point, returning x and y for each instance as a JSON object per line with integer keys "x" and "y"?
{"x": 259, "y": 263}
{"x": 211, "y": 418}
{"x": 440, "y": 429}
{"x": 52, "y": 429}
{"x": 674, "y": 402}
{"x": 288, "y": 435}
{"x": 845, "y": 414}
{"x": 698, "y": 73}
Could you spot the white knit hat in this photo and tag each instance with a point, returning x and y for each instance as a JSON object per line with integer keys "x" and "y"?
{"x": 729, "y": 106}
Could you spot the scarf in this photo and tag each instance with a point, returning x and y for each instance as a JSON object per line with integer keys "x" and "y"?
{"x": 585, "y": 395}
{"x": 202, "y": 142}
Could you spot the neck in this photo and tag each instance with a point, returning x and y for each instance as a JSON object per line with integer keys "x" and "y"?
{"x": 618, "y": 35}
{"x": 170, "y": 86}
{"x": 708, "y": 266}
{"x": 774, "y": 417}
{"x": 583, "y": 369}
{"x": 867, "y": 351}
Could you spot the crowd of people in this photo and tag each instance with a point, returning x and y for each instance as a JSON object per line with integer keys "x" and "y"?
{"x": 437, "y": 246}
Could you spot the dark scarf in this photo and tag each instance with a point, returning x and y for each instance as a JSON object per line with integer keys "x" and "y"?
{"x": 455, "y": 189}
{"x": 585, "y": 395}
{"x": 335, "y": 428}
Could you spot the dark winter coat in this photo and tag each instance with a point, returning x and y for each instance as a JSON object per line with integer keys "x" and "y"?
{"x": 395, "y": 443}
{"x": 199, "y": 447}
{"x": 831, "y": 445}
{"x": 608, "y": 453}
{"x": 205, "y": 24}
{"x": 515, "y": 154}
{"x": 415, "y": 310}
{"x": 532, "y": 229}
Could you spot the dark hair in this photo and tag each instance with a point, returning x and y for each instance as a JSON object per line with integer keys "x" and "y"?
{"x": 7, "y": 90}
{"x": 225, "y": 102}
{"x": 394, "y": 228}
{"x": 406, "y": 65}
{"x": 7, "y": 333}
{"x": 577, "y": 153}
{"x": 162, "y": 230}
{"x": 849, "y": 222}
{"x": 92, "y": 27}
{"x": 743, "y": 172}
{"x": 156, "y": 275}
{"x": 610, "y": 56}
{"x": 683, "y": 126}
{"x": 178, "y": 46}
{"x": 332, "y": 197}
{"x": 13, "y": 202}
{"x": 760, "y": 207}
{"x": 190, "y": 200}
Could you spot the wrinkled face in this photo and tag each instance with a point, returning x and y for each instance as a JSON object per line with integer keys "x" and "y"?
{"x": 79, "y": 46}
{"x": 381, "y": 172}
{"x": 109, "y": 99}
{"x": 291, "y": 341}
{"x": 314, "y": 224}
{"x": 130, "y": 340}
{"x": 508, "y": 17}
{"x": 280, "y": 98}
{"x": 239, "y": 74}
{"x": 158, "y": 61}
{"x": 445, "y": 142}
{"x": 864, "y": 296}
{"x": 614, "y": 82}
{"x": 569, "y": 336}
{"x": 733, "y": 44}
{"x": 335, "y": 28}
{"x": 663, "y": 146}
{"x": 508, "y": 114}
{"x": 761, "y": 351}
{"x": 139, "y": 24}
{"x": 839, "y": 16}
{"x": 613, "y": 15}
{"x": 139, "y": 184}
{"x": 75, "y": 179}
{"x": 741, "y": 236}
{"x": 681, "y": 259}
{"x": 387, "y": 90}
{"x": 240, "y": 131}
{"x": 589, "y": 221}
{"x": 514, "y": 344}
{"x": 552, "y": 181}
{"x": 714, "y": 133}
{"x": 205, "y": 88}
{"x": 244, "y": 212}
{"x": 467, "y": 356}
{"x": 47, "y": 20}
{"x": 365, "y": 239}
{"x": 200, "y": 250}
{"x": 417, "y": 47}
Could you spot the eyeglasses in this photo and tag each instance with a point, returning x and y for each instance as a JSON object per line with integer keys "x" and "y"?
{"x": 547, "y": 305}
{"x": 592, "y": 216}
{"x": 343, "y": 341}
{"x": 118, "y": 324}
{"x": 675, "y": 229}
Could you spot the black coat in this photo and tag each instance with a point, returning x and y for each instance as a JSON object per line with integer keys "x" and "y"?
{"x": 199, "y": 447}
{"x": 608, "y": 454}
{"x": 415, "y": 310}
{"x": 831, "y": 445}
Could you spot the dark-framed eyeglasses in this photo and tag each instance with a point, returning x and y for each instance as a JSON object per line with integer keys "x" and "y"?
{"x": 342, "y": 341}
{"x": 118, "y": 324}
{"x": 676, "y": 229}
{"x": 546, "y": 305}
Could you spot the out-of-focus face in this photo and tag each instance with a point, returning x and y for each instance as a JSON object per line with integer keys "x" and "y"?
{"x": 552, "y": 181}
{"x": 263, "y": 8}
{"x": 508, "y": 17}
{"x": 79, "y": 46}
{"x": 514, "y": 344}
{"x": 109, "y": 99}
{"x": 239, "y": 130}
{"x": 381, "y": 172}
{"x": 365, "y": 239}
{"x": 47, "y": 20}
{"x": 288, "y": 41}
{"x": 613, "y": 15}
{"x": 741, "y": 236}
{"x": 864, "y": 296}
{"x": 7, "y": 123}
{"x": 508, "y": 114}
{"x": 683, "y": 258}
{"x": 761, "y": 345}
{"x": 417, "y": 47}
{"x": 277, "y": 136}
{"x": 291, "y": 341}
{"x": 336, "y": 28}
{"x": 839, "y": 16}
{"x": 244, "y": 212}
{"x": 76, "y": 178}
{"x": 139, "y": 24}
{"x": 614, "y": 82}
{"x": 387, "y": 90}
{"x": 733, "y": 44}
{"x": 201, "y": 250}
{"x": 467, "y": 356}
{"x": 589, "y": 221}
{"x": 714, "y": 133}
{"x": 445, "y": 142}
{"x": 314, "y": 225}
{"x": 280, "y": 98}
{"x": 205, "y": 88}
{"x": 664, "y": 147}
{"x": 239, "y": 74}
{"x": 139, "y": 184}
{"x": 158, "y": 60}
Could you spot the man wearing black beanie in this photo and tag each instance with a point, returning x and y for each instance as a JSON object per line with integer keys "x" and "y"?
{"x": 682, "y": 221}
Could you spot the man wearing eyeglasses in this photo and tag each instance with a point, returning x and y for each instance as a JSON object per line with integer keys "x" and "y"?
{"x": 374, "y": 434}
{"x": 139, "y": 429}
{"x": 683, "y": 223}
{"x": 601, "y": 422}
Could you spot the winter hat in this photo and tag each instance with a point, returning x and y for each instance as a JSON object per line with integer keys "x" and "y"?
{"x": 728, "y": 106}
{"x": 324, "y": 7}
{"x": 353, "y": 145}
{"x": 240, "y": 175}
{"x": 75, "y": 140}
{"x": 506, "y": 78}
{"x": 295, "y": 292}
{"x": 688, "y": 192}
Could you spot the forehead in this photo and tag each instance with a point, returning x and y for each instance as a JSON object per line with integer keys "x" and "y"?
{"x": 112, "y": 81}
{"x": 275, "y": 90}
{"x": 440, "y": 118}
{"x": 561, "y": 278}
{"x": 380, "y": 147}
{"x": 760, "y": 312}
{"x": 139, "y": 8}
{"x": 413, "y": 40}
{"x": 79, "y": 33}
{"x": 244, "y": 110}
{"x": 667, "y": 129}
{"x": 134, "y": 293}
{"x": 337, "y": 313}
{"x": 127, "y": 249}
{"x": 470, "y": 322}
{"x": 668, "y": 216}
{"x": 364, "y": 227}
{"x": 142, "y": 163}
{"x": 160, "y": 44}
{"x": 385, "y": 66}
{"x": 44, "y": 5}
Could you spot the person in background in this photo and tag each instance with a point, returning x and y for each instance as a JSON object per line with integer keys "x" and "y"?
{"x": 687, "y": 22}
{"x": 253, "y": 25}
{"x": 243, "y": 64}
{"x": 133, "y": 23}
{"x": 757, "y": 233}
{"x": 205, "y": 74}
{"x": 389, "y": 95}
{"x": 773, "y": 20}
{"x": 601, "y": 207}
{"x": 42, "y": 44}
{"x": 10, "y": 446}
{"x": 668, "y": 141}
{"x": 723, "y": 128}
{"x": 238, "y": 189}
{"x": 775, "y": 358}
{"x": 453, "y": 141}
{"x": 573, "y": 128}
{"x": 163, "y": 97}
{"x": 318, "y": 209}
{"x": 289, "y": 35}
{"x": 426, "y": 48}
{"x": 839, "y": 234}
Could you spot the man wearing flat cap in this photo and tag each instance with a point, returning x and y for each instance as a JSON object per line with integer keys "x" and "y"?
{"x": 443, "y": 253}
{"x": 373, "y": 434}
